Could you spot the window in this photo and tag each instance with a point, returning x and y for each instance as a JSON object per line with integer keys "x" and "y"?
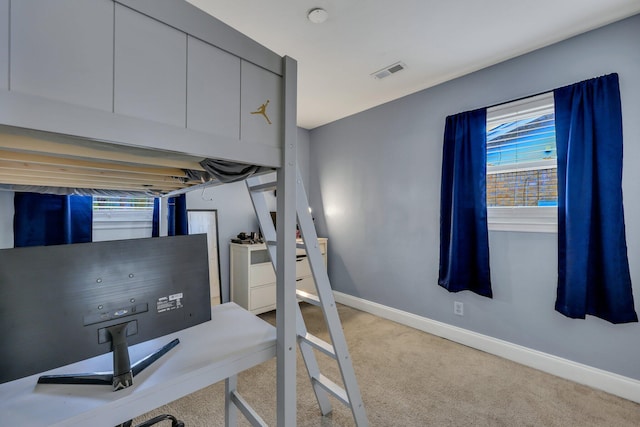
{"x": 521, "y": 165}
{"x": 117, "y": 218}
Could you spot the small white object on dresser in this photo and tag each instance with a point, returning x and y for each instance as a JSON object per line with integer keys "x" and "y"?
{"x": 253, "y": 281}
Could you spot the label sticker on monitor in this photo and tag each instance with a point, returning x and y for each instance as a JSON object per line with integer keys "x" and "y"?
{"x": 168, "y": 303}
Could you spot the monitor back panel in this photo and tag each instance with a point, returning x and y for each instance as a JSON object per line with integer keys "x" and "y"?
{"x": 57, "y": 301}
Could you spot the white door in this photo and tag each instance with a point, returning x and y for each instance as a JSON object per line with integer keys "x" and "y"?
{"x": 206, "y": 221}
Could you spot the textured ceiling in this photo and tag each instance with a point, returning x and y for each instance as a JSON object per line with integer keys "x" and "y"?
{"x": 438, "y": 40}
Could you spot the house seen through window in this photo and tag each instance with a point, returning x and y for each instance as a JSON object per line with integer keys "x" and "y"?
{"x": 521, "y": 165}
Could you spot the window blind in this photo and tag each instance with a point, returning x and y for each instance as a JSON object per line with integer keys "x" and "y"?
{"x": 521, "y": 153}
{"x": 111, "y": 203}
{"x": 125, "y": 217}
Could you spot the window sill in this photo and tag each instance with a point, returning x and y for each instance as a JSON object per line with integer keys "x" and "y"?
{"x": 523, "y": 219}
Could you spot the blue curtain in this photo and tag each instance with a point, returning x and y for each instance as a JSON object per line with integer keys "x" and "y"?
{"x": 177, "y": 224}
{"x": 155, "y": 225}
{"x": 464, "y": 237}
{"x": 593, "y": 269}
{"x": 50, "y": 219}
{"x": 177, "y": 216}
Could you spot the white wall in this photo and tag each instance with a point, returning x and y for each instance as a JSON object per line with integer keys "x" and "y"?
{"x": 376, "y": 177}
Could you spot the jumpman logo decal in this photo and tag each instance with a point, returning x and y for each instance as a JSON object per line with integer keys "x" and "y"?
{"x": 262, "y": 110}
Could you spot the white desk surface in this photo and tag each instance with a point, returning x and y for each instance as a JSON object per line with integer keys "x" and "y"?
{"x": 234, "y": 340}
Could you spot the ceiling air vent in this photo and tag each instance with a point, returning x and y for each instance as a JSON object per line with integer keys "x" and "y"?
{"x": 388, "y": 70}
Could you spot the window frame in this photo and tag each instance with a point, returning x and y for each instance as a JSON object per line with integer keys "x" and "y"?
{"x": 137, "y": 220}
{"x": 542, "y": 219}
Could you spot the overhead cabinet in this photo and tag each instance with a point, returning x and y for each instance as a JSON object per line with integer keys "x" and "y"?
{"x": 63, "y": 50}
{"x": 150, "y": 68}
{"x": 260, "y": 100}
{"x": 213, "y": 90}
{"x": 4, "y": 44}
{"x": 145, "y": 73}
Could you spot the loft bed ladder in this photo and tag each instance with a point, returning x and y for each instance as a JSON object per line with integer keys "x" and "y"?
{"x": 349, "y": 395}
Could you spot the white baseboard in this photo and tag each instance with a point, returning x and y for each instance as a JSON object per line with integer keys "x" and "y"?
{"x": 609, "y": 382}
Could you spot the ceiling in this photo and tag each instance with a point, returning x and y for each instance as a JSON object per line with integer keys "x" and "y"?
{"x": 438, "y": 40}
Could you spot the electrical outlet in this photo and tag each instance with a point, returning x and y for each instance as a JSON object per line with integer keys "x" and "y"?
{"x": 458, "y": 308}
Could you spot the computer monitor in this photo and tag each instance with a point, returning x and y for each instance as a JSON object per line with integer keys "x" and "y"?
{"x": 66, "y": 303}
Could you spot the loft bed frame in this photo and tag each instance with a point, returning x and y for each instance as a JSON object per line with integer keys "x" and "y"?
{"x": 61, "y": 130}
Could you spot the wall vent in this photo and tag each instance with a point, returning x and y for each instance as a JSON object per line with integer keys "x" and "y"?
{"x": 388, "y": 70}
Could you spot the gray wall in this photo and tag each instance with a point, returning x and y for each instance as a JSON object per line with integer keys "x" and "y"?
{"x": 376, "y": 177}
{"x": 235, "y": 214}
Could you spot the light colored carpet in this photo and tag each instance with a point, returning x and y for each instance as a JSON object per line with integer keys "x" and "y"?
{"x": 410, "y": 378}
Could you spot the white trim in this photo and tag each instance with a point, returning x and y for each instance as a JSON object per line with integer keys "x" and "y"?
{"x": 541, "y": 219}
{"x": 525, "y": 219}
{"x": 625, "y": 387}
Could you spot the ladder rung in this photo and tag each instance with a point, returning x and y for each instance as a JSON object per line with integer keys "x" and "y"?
{"x": 333, "y": 388}
{"x": 298, "y": 245}
{"x": 267, "y": 186}
{"x": 319, "y": 344}
{"x": 307, "y": 297}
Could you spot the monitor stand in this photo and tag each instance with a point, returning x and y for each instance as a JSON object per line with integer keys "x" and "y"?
{"x": 123, "y": 372}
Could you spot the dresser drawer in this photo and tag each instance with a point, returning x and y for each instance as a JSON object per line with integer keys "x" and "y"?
{"x": 306, "y": 284}
{"x": 261, "y": 274}
{"x": 263, "y": 297}
{"x": 302, "y": 267}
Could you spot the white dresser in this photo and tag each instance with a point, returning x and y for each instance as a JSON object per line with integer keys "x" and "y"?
{"x": 253, "y": 281}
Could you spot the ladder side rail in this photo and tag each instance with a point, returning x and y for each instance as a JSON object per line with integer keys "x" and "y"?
{"x": 286, "y": 338}
{"x": 265, "y": 222}
{"x": 322, "y": 386}
{"x": 328, "y": 304}
{"x": 263, "y": 215}
{"x": 264, "y": 218}
{"x": 256, "y": 189}
{"x": 311, "y": 364}
{"x": 286, "y": 272}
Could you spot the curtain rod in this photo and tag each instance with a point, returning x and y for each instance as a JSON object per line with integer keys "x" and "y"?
{"x": 543, "y": 92}
{"x": 519, "y": 99}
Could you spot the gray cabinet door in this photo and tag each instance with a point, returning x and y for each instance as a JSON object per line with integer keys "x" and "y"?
{"x": 213, "y": 90}
{"x": 4, "y": 44}
{"x": 150, "y": 68}
{"x": 258, "y": 87}
{"x": 63, "y": 50}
